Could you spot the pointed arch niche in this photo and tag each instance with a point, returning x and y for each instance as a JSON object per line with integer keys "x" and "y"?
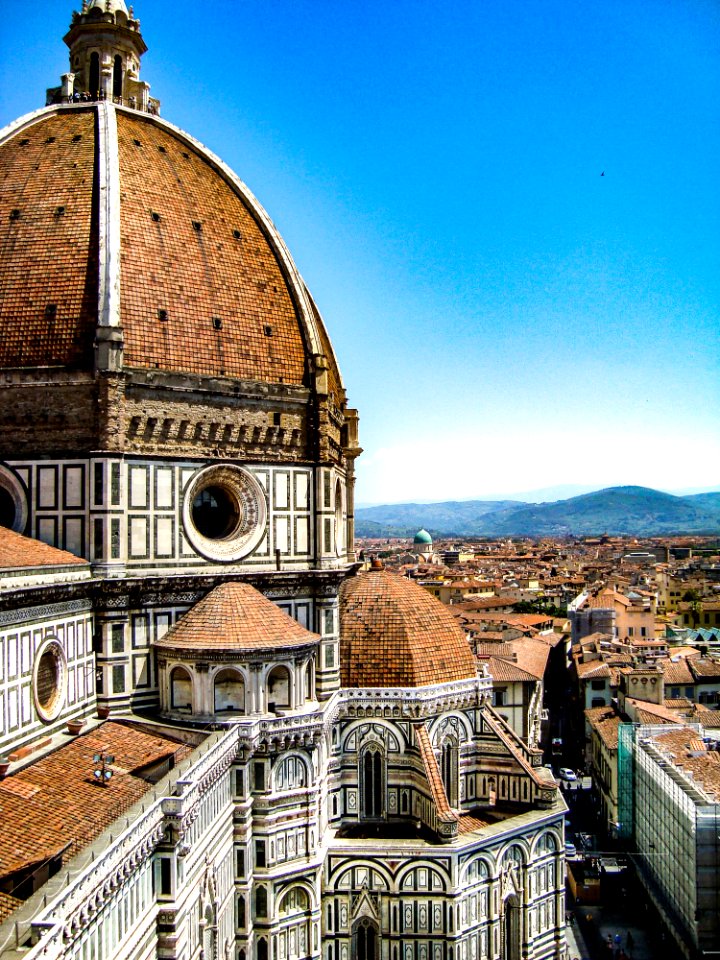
{"x": 372, "y": 781}
{"x": 365, "y": 940}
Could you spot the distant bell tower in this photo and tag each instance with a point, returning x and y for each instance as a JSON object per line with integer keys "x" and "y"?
{"x": 105, "y": 51}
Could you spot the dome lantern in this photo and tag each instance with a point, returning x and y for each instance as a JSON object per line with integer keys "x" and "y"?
{"x": 106, "y": 47}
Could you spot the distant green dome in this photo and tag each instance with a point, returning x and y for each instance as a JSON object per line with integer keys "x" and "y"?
{"x": 422, "y": 536}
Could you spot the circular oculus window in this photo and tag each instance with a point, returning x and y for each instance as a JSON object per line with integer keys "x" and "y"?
{"x": 224, "y": 513}
{"x": 49, "y": 680}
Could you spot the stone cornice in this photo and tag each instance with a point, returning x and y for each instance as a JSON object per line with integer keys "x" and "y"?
{"x": 216, "y": 388}
{"x": 136, "y": 592}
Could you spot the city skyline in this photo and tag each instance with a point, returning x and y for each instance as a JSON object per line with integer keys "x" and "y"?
{"x": 507, "y": 215}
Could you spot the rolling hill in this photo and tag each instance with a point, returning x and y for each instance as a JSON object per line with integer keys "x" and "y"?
{"x": 631, "y": 511}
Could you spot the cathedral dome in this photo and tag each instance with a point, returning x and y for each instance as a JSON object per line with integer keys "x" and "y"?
{"x": 117, "y": 226}
{"x": 393, "y": 633}
{"x": 235, "y": 618}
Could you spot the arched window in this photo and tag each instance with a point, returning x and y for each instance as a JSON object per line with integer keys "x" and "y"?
{"x": 310, "y": 681}
{"x": 278, "y": 688}
{"x": 209, "y": 932}
{"x": 94, "y": 84}
{"x": 295, "y": 901}
{"x": 365, "y": 940}
{"x": 262, "y": 949}
{"x": 261, "y": 902}
{"x": 117, "y": 76}
{"x": 372, "y": 786}
{"x": 290, "y": 774}
{"x": 511, "y": 930}
{"x": 229, "y": 692}
{"x": 180, "y": 689}
{"x": 449, "y": 769}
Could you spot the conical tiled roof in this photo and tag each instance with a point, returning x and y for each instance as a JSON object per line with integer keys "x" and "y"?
{"x": 394, "y": 633}
{"x": 235, "y": 616}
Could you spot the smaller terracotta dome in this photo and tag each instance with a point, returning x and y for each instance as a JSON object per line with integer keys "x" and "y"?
{"x": 393, "y": 633}
{"x": 235, "y": 616}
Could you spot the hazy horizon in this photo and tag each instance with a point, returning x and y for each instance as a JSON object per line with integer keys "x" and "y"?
{"x": 543, "y": 495}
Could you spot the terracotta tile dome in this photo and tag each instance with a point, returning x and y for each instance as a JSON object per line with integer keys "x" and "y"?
{"x": 170, "y": 241}
{"x": 235, "y": 617}
{"x": 394, "y": 633}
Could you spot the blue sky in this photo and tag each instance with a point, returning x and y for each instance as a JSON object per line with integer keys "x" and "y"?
{"x": 505, "y": 317}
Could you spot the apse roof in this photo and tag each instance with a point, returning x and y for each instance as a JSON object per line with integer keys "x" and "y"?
{"x": 235, "y": 616}
{"x": 394, "y": 633}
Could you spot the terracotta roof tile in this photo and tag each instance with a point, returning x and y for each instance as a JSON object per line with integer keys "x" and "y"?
{"x": 48, "y": 248}
{"x": 56, "y": 805}
{"x": 692, "y": 756}
{"x": 606, "y": 723}
{"x": 507, "y": 671}
{"x": 18, "y": 552}
{"x": 198, "y": 272}
{"x": 495, "y": 649}
{"x": 8, "y": 906}
{"x": 677, "y": 672}
{"x": 592, "y": 668}
{"x": 190, "y": 246}
{"x": 704, "y": 667}
{"x": 647, "y": 712}
{"x": 532, "y": 655}
{"x": 394, "y": 633}
{"x": 235, "y": 616}
{"x": 470, "y": 824}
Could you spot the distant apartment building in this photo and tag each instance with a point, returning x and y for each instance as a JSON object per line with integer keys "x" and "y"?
{"x": 669, "y": 799}
{"x": 700, "y": 613}
{"x": 518, "y": 669}
{"x": 630, "y": 617}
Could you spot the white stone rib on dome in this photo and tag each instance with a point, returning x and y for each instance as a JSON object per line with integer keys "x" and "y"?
{"x": 109, "y": 151}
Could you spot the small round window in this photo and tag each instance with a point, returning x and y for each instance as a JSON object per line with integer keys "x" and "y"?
{"x": 224, "y": 513}
{"x": 49, "y": 680}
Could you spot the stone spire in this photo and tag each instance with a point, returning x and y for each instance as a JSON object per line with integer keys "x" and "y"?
{"x": 105, "y": 51}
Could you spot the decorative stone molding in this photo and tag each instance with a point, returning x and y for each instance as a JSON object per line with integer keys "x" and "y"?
{"x": 243, "y": 500}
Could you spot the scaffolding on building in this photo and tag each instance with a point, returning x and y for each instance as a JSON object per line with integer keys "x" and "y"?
{"x": 626, "y": 790}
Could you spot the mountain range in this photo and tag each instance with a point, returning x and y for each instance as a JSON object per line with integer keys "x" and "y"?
{"x": 628, "y": 511}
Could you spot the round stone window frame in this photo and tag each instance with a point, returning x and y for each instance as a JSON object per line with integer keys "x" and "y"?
{"x": 52, "y": 646}
{"x": 12, "y": 485}
{"x": 249, "y": 498}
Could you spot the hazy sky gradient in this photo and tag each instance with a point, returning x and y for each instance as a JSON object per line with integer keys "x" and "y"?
{"x": 505, "y": 317}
